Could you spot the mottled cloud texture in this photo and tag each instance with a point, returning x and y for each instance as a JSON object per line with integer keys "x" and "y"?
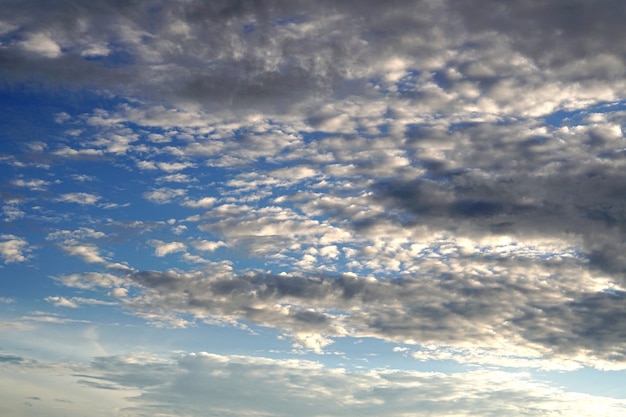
{"x": 443, "y": 176}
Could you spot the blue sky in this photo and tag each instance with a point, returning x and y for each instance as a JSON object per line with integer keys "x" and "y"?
{"x": 329, "y": 208}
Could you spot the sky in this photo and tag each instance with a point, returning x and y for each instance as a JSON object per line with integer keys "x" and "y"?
{"x": 312, "y": 208}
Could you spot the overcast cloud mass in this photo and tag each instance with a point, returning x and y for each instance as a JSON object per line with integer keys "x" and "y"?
{"x": 313, "y": 208}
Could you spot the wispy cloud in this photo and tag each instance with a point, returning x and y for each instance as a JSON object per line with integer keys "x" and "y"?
{"x": 79, "y": 198}
{"x": 34, "y": 184}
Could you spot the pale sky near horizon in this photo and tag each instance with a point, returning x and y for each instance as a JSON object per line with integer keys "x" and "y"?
{"x": 312, "y": 208}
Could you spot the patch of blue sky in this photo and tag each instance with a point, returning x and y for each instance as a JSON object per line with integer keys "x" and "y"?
{"x": 575, "y": 117}
{"x": 409, "y": 83}
{"x": 406, "y": 86}
{"x": 248, "y": 28}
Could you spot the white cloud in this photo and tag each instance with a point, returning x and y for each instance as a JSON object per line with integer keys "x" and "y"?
{"x": 146, "y": 165}
{"x": 35, "y": 184}
{"x": 165, "y": 248}
{"x": 79, "y": 198}
{"x": 89, "y": 252}
{"x": 75, "y": 302}
{"x": 13, "y": 249}
{"x": 207, "y": 245}
{"x": 164, "y": 195}
{"x": 80, "y": 233}
{"x": 61, "y": 117}
{"x": 11, "y": 210}
{"x": 174, "y": 166}
{"x": 91, "y": 280}
{"x": 179, "y": 229}
{"x": 96, "y": 50}
{"x": 249, "y": 385}
{"x": 203, "y": 202}
{"x": 61, "y": 302}
{"x": 41, "y": 44}
{"x": 181, "y": 178}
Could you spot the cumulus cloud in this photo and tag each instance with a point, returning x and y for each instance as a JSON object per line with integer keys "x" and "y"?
{"x": 41, "y": 44}
{"x": 13, "y": 248}
{"x": 419, "y": 172}
{"x": 165, "y": 248}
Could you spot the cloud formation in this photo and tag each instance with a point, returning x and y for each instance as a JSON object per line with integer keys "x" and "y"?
{"x": 275, "y": 54}
{"x": 201, "y": 383}
{"x": 13, "y": 248}
{"x": 445, "y": 178}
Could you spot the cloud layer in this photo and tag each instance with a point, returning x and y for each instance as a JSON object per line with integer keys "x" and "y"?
{"x": 444, "y": 177}
{"x": 209, "y": 384}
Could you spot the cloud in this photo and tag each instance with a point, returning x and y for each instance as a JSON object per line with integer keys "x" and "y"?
{"x": 80, "y": 233}
{"x": 207, "y": 245}
{"x": 61, "y": 302}
{"x": 91, "y": 280}
{"x": 13, "y": 248}
{"x": 163, "y": 195}
{"x": 75, "y": 302}
{"x": 165, "y": 248}
{"x": 173, "y": 166}
{"x": 204, "y": 202}
{"x": 89, "y": 253}
{"x": 230, "y": 385}
{"x": 34, "y": 185}
{"x": 418, "y": 172}
{"x": 510, "y": 312}
{"x": 79, "y": 198}
{"x": 220, "y": 56}
{"x": 41, "y": 44}
{"x": 11, "y": 358}
{"x": 11, "y": 210}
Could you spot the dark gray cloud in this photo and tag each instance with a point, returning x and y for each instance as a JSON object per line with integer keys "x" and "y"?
{"x": 544, "y": 310}
{"x": 502, "y": 184}
{"x": 11, "y": 358}
{"x": 271, "y": 53}
{"x": 554, "y": 32}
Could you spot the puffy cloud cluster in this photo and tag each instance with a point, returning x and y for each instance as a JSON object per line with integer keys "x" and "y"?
{"x": 422, "y": 172}
{"x": 272, "y": 55}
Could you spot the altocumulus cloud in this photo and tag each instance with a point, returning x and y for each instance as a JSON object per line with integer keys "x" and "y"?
{"x": 443, "y": 177}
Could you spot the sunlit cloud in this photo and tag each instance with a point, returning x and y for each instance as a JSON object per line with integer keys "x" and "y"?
{"x": 340, "y": 202}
